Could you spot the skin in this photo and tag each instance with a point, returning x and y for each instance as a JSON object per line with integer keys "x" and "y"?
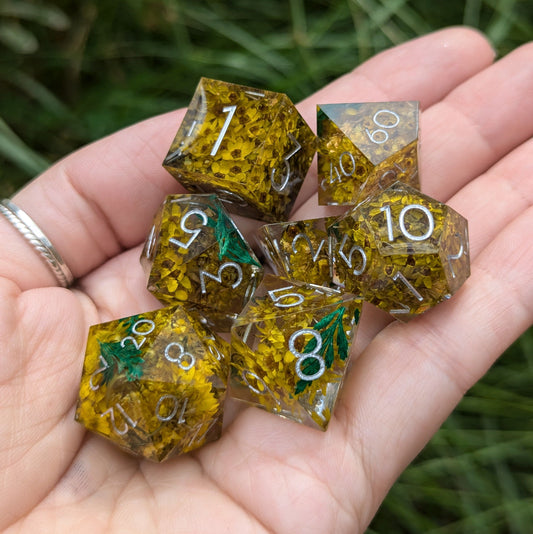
{"x": 265, "y": 474}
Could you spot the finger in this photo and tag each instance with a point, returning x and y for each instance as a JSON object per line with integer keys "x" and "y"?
{"x": 508, "y": 182}
{"x": 411, "y": 376}
{"x": 407, "y": 380}
{"x": 102, "y": 199}
{"x": 478, "y": 123}
{"x": 467, "y": 132}
{"x": 424, "y": 69}
{"x": 118, "y": 288}
{"x": 97, "y": 201}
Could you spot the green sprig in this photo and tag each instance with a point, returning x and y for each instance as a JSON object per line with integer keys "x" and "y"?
{"x": 230, "y": 243}
{"x": 121, "y": 357}
{"x": 330, "y": 329}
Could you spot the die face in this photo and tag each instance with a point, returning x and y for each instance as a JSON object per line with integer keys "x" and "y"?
{"x": 455, "y": 250}
{"x": 251, "y": 147}
{"x": 195, "y": 255}
{"x": 399, "y": 248}
{"x": 152, "y": 384}
{"x": 299, "y": 250}
{"x": 364, "y": 148}
{"x": 290, "y": 349}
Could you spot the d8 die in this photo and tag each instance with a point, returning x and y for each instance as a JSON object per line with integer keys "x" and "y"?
{"x": 290, "y": 348}
{"x": 365, "y": 147}
{"x": 195, "y": 255}
{"x": 249, "y": 146}
{"x": 154, "y": 383}
{"x": 402, "y": 251}
{"x": 299, "y": 250}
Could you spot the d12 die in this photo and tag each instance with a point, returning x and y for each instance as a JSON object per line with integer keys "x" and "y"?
{"x": 195, "y": 255}
{"x": 154, "y": 383}
{"x": 402, "y": 251}
{"x": 365, "y": 147}
{"x": 299, "y": 250}
{"x": 290, "y": 348}
{"x": 249, "y": 146}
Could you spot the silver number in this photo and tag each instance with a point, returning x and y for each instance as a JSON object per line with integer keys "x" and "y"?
{"x": 128, "y": 421}
{"x": 314, "y": 253}
{"x": 401, "y": 220}
{"x": 174, "y": 411}
{"x": 276, "y": 298}
{"x": 390, "y": 171}
{"x": 142, "y": 334}
{"x": 182, "y": 354}
{"x": 349, "y": 259}
{"x": 196, "y": 436}
{"x": 344, "y": 172}
{"x": 300, "y": 357}
{"x": 193, "y": 231}
{"x": 213, "y": 349}
{"x": 411, "y": 288}
{"x": 101, "y": 369}
{"x": 383, "y": 136}
{"x": 281, "y": 185}
{"x": 218, "y": 277}
{"x": 230, "y": 110}
{"x": 458, "y": 255}
{"x": 149, "y": 322}
{"x": 265, "y": 390}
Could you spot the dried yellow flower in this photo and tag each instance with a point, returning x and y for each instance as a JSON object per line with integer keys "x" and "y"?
{"x": 154, "y": 383}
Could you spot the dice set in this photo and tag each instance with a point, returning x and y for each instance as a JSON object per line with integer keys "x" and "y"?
{"x": 155, "y": 383}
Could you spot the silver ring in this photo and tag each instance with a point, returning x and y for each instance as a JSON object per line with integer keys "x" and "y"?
{"x": 32, "y": 233}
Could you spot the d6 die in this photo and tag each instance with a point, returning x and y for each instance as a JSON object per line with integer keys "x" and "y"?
{"x": 402, "y": 251}
{"x": 195, "y": 255}
{"x": 299, "y": 250}
{"x": 290, "y": 348}
{"x": 365, "y": 147}
{"x": 154, "y": 383}
{"x": 249, "y": 146}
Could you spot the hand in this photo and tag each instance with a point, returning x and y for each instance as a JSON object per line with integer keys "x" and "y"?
{"x": 265, "y": 473}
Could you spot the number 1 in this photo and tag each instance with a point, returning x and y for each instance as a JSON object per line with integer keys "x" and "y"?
{"x": 230, "y": 110}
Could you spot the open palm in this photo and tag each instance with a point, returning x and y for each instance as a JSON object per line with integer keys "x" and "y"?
{"x": 265, "y": 474}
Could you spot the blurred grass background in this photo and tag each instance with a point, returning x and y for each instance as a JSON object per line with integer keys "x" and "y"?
{"x": 73, "y": 71}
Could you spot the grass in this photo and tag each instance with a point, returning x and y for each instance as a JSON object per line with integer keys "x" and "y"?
{"x": 73, "y": 71}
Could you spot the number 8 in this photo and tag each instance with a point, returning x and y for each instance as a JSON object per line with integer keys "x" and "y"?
{"x": 300, "y": 357}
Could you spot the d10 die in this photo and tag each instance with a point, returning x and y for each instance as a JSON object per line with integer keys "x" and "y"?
{"x": 249, "y": 146}
{"x": 365, "y": 147}
{"x": 290, "y": 348}
{"x": 299, "y": 250}
{"x": 154, "y": 383}
{"x": 402, "y": 251}
{"x": 195, "y": 255}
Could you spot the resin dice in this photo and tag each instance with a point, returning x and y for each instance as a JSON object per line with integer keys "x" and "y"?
{"x": 290, "y": 349}
{"x": 249, "y": 146}
{"x": 195, "y": 255}
{"x": 154, "y": 383}
{"x": 402, "y": 250}
{"x": 364, "y": 148}
{"x": 299, "y": 250}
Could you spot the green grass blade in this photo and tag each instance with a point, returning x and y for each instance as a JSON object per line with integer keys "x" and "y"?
{"x": 16, "y": 151}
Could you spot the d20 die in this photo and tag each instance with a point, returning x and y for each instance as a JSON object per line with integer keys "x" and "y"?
{"x": 299, "y": 250}
{"x": 249, "y": 146}
{"x": 154, "y": 383}
{"x": 402, "y": 250}
{"x": 195, "y": 255}
{"x": 364, "y": 148}
{"x": 290, "y": 348}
